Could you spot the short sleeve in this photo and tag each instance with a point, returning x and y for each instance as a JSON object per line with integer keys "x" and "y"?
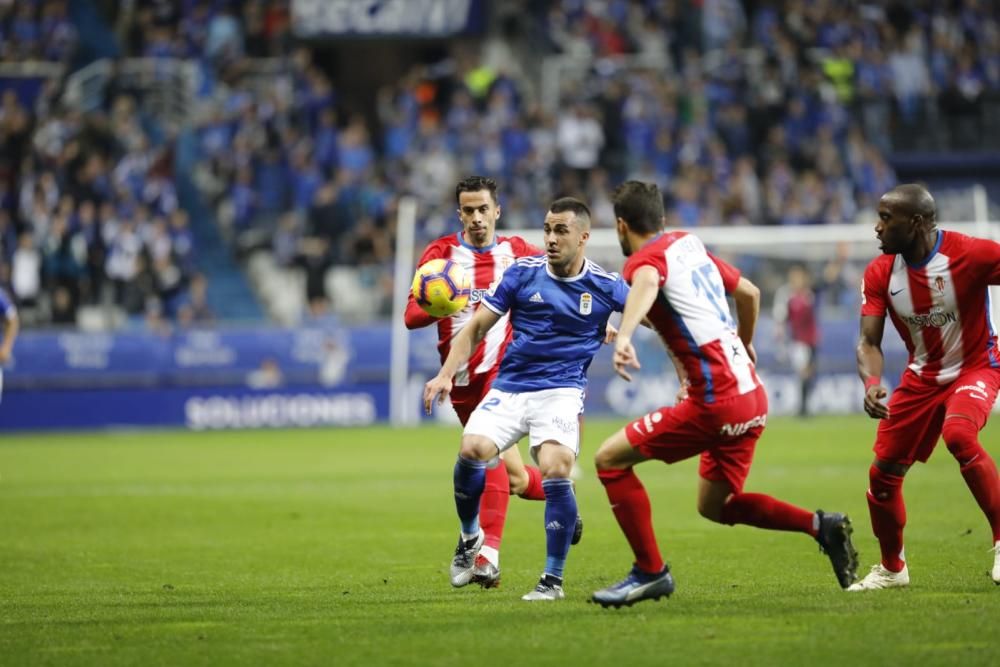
{"x": 620, "y": 294}
{"x": 641, "y": 259}
{"x": 501, "y": 295}
{"x": 730, "y": 274}
{"x": 7, "y": 309}
{"x": 522, "y": 248}
{"x": 986, "y": 255}
{"x": 873, "y": 289}
{"x": 432, "y": 251}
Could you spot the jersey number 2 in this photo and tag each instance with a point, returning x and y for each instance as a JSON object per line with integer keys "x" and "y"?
{"x": 492, "y": 403}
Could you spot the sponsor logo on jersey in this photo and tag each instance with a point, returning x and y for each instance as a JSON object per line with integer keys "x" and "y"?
{"x": 586, "y": 303}
{"x": 977, "y": 390}
{"x": 935, "y": 318}
{"x": 476, "y": 294}
{"x": 536, "y": 298}
{"x": 740, "y": 429}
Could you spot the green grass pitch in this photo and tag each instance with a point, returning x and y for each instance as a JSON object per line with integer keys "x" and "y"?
{"x": 331, "y": 547}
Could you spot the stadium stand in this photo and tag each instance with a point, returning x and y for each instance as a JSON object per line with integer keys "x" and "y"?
{"x": 227, "y": 154}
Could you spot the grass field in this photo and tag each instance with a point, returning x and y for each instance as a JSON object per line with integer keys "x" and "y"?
{"x": 332, "y": 548}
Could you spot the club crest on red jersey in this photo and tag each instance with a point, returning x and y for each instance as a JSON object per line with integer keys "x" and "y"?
{"x": 939, "y": 283}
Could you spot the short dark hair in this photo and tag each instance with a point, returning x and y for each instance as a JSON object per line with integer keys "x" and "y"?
{"x": 640, "y": 205}
{"x": 577, "y": 207}
{"x": 475, "y": 184}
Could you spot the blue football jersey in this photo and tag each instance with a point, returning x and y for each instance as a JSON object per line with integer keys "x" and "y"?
{"x": 7, "y": 309}
{"x": 558, "y": 323}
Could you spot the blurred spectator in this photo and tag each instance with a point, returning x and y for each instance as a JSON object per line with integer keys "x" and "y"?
{"x": 796, "y": 329}
{"x": 267, "y": 376}
{"x": 193, "y": 308}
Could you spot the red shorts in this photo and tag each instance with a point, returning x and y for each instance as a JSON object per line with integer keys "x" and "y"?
{"x": 724, "y": 433}
{"x": 917, "y": 411}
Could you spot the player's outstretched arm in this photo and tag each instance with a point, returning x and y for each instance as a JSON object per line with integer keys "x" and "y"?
{"x": 870, "y": 364}
{"x": 645, "y": 285}
{"x": 414, "y": 316}
{"x": 11, "y": 326}
{"x": 747, "y": 299}
{"x": 462, "y": 346}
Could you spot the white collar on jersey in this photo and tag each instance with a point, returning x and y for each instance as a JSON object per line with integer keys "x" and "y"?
{"x": 570, "y": 279}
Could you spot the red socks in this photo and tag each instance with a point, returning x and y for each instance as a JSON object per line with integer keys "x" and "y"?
{"x": 493, "y": 504}
{"x": 534, "y": 490}
{"x": 888, "y": 513}
{"x": 763, "y": 511}
{"x": 630, "y": 505}
{"x": 981, "y": 476}
{"x": 961, "y": 435}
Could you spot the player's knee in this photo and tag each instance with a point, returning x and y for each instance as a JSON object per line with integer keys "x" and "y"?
{"x": 603, "y": 460}
{"x": 477, "y": 449}
{"x": 612, "y": 454}
{"x": 711, "y": 509}
{"x": 557, "y": 469}
{"x": 883, "y": 485}
{"x": 961, "y": 437}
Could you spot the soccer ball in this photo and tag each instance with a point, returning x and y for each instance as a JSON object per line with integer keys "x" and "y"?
{"x": 441, "y": 287}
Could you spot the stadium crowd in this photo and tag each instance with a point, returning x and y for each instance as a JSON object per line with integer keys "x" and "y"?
{"x": 768, "y": 113}
{"x": 36, "y": 31}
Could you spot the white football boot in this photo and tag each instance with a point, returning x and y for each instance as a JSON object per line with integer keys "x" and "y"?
{"x": 465, "y": 559}
{"x": 879, "y": 578}
{"x": 547, "y": 588}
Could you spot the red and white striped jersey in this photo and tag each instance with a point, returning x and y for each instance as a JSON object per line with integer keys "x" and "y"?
{"x": 940, "y": 307}
{"x": 692, "y": 316}
{"x": 484, "y": 266}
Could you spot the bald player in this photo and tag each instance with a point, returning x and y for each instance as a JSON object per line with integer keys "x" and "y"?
{"x": 933, "y": 285}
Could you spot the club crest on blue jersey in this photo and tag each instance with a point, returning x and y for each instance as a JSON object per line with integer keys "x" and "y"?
{"x": 586, "y": 303}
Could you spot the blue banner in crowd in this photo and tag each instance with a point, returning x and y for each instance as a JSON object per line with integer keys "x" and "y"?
{"x": 202, "y": 379}
{"x": 322, "y": 355}
{"x": 326, "y": 375}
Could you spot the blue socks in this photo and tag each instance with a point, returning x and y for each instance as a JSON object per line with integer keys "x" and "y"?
{"x": 560, "y": 519}
{"x": 470, "y": 479}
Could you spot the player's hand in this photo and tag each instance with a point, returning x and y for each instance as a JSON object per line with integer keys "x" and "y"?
{"x": 624, "y": 357}
{"x": 752, "y": 353}
{"x": 4, "y": 355}
{"x": 682, "y": 393}
{"x": 874, "y": 406}
{"x": 436, "y": 388}
{"x": 610, "y": 333}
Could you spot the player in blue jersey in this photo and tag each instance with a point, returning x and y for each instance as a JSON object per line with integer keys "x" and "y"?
{"x": 559, "y": 308}
{"x": 10, "y": 328}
